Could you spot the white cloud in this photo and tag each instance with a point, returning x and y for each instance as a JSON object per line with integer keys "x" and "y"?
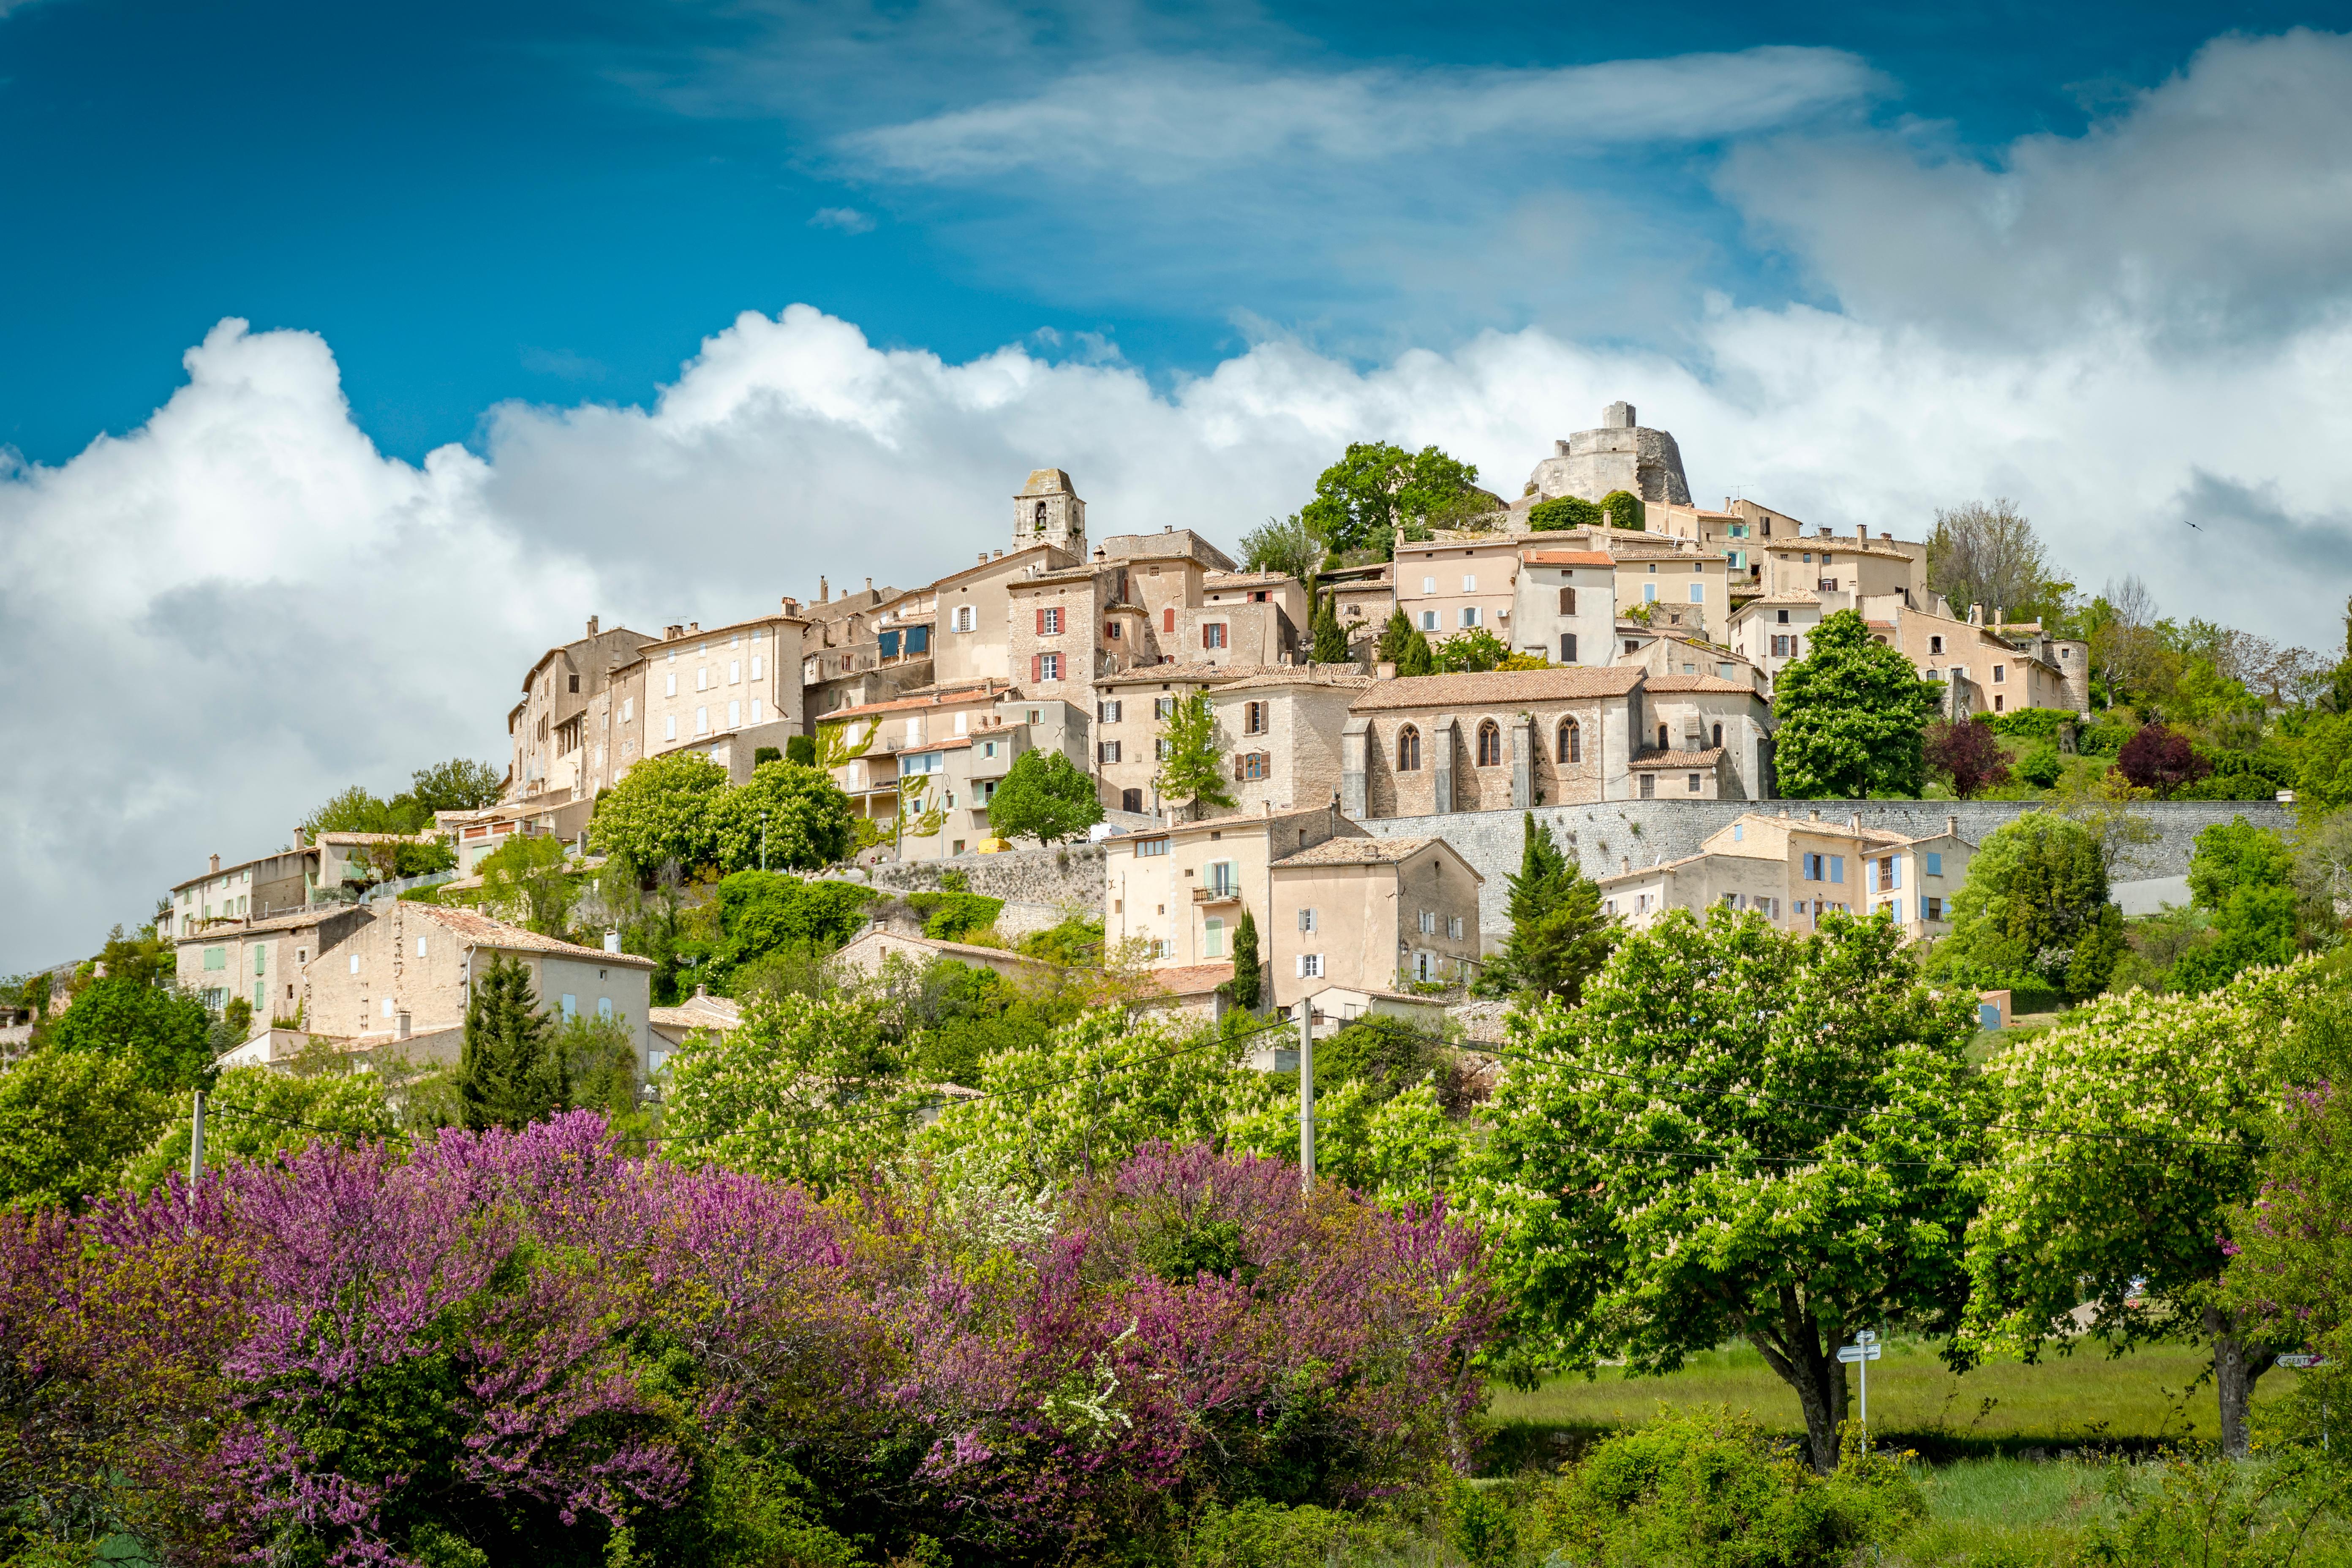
{"x": 848, "y": 220}
{"x": 1160, "y": 119}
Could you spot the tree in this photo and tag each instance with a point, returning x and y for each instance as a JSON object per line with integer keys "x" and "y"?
{"x": 760, "y": 913}
{"x": 1988, "y": 553}
{"x": 1559, "y": 938}
{"x": 354, "y": 810}
{"x": 2034, "y": 911}
{"x": 1742, "y": 1133}
{"x": 163, "y": 1032}
{"x": 255, "y": 1113}
{"x": 660, "y": 812}
{"x": 1194, "y": 769}
{"x": 1851, "y": 713}
{"x": 1287, "y": 545}
{"x": 1363, "y": 501}
{"x": 457, "y": 785}
{"x": 1474, "y": 651}
{"x": 1625, "y": 510}
{"x": 510, "y": 1072}
{"x": 1330, "y": 642}
{"x": 2124, "y": 1138}
{"x": 774, "y": 1097}
{"x": 1248, "y": 977}
{"x": 2161, "y": 758}
{"x": 787, "y": 815}
{"x": 1418, "y": 657}
{"x": 68, "y": 1121}
{"x": 1562, "y": 512}
{"x": 1967, "y": 753}
{"x": 1046, "y": 797}
{"x": 525, "y": 880}
{"x": 1396, "y": 633}
{"x": 2243, "y": 877}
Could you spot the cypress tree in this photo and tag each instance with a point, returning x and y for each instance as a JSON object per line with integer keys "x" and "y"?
{"x": 1394, "y": 637}
{"x": 1330, "y": 642}
{"x": 511, "y": 1072}
{"x": 1245, "y": 988}
{"x": 1558, "y": 935}
{"x": 1417, "y": 658}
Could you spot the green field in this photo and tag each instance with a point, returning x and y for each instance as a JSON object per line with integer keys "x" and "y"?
{"x": 2155, "y": 1394}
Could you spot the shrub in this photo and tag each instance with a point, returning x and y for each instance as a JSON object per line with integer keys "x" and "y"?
{"x": 2031, "y": 723}
{"x": 2041, "y": 767}
{"x": 2161, "y": 759}
{"x": 1563, "y": 512}
{"x": 951, "y": 917}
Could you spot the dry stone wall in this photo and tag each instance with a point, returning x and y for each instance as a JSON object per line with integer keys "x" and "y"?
{"x": 1603, "y": 837}
{"x": 1070, "y": 875}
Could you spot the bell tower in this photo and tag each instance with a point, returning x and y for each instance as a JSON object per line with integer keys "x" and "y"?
{"x": 1048, "y": 512}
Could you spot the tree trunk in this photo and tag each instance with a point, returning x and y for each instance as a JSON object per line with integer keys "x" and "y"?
{"x": 1818, "y": 1378}
{"x": 2234, "y": 1370}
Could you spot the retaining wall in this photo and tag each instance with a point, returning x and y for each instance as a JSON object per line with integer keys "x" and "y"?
{"x": 1603, "y": 836}
{"x": 1048, "y": 879}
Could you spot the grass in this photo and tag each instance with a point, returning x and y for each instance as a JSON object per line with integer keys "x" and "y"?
{"x": 2155, "y": 1394}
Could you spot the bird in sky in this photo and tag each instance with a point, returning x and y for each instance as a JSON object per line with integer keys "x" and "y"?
{"x": 2192, "y": 525}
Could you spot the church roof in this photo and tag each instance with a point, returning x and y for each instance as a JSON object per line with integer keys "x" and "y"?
{"x": 1046, "y": 482}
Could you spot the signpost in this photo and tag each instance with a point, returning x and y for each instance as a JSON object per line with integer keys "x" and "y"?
{"x": 2304, "y": 1361}
{"x": 1862, "y": 1353}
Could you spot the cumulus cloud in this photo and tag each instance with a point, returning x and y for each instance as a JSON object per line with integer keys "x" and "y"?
{"x": 848, "y": 220}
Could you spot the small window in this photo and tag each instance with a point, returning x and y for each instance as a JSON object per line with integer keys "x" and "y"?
{"x": 604, "y": 1008}
{"x": 355, "y": 964}
{"x": 1469, "y": 584}
{"x": 1571, "y": 741}
{"x": 1307, "y": 921}
{"x": 1650, "y": 593}
{"x": 1490, "y": 744}
{"x": 1310, "y": 966}
{"x": 1935, "y": 863}
{"x": 1454, "y": 927}
{"x": 734, "y": 672}
{"x": 1212, "y": 938}
{"x": 1934, "y": 645}
{"x": 571, "y": 1007}
{"x": 420, "y": 947}
{"x": 628, "y": 708}
{"x": 669, "y": 726}
{"x": 735, "y": 715}
{"x": 1567, "y": 601}
{"x": 1694, "y": 785}
{"x": 1254, "y": 718}
{"x": 1469, "y": 615}
{"x": 1716, "y": 733}
{"x": 1837, "y": 867}
{"x": 1212, "y": 635}
{"x": 1567, "y": 648}
{"x": 1698, "y": 592}
{"x": 575, "y": 683}
{"x": 1150, "y": 846}
{"x": 1108, "y": 712}
{"x": 1429, "y": 620}
{"x": 1106, "y": 752}
{"x": 1429, "y": 922}
{"x": 702, "y": 720}
{"x": 1429, "y": 584}
{"x": 2000, "y": 674}
{"x": 1163, "y": 707}
{"x": 1407, "y": 750}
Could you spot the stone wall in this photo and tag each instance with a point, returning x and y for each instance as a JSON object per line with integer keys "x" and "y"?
{"x": 1603, "y": 836}
{"x": 1070, "y": 875}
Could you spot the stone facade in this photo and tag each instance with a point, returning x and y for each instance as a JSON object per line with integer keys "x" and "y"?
{"x": 1443, "y": 743}
{"x": 1131, "y": 706}
{"x": 1565, "y": 605}
{"x": 1280, "y": 728}
{"x": 1370, "y": 914}
{"x": 255, "y": 890}
{"x": 544, "y": 731}
{"x": 1619, "y": 456}
{"x": 1794, "y": 869}
{"x": 1182, "y": 889}
{"x": 738, "y": 679}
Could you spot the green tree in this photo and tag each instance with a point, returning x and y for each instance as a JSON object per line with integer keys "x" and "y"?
{"x": 1988, "y": 553}
{"x": 758, "y": 913}
{"x": 524, "y": 880}
{"x": 1742, "y": 1133}
{"x": 1330, "y": 642}
{"x": 457, "y": 785}
{"x": 1562, "y": 512}
{"x": 2243, "y": 877}
{"x": 1193, "y": 771}
{"x": 251, "y": 1113}
{"x": 660, "y": 812}
{"x": 1739, "y": 1134}
{"x": 1377, "y": 491}
{"x": 163, "y": 1032}
{"x": 68, "y": 1121}
{"x": 1396, "y": 636}
{"x": 1850, "y": 714}
{"x": 1287, "y": 545}
{"x": 1046, "y": 797}
{"x": 1625, "y": 510}
{"x": 1559, "y": 938}
{"x": 774, "y": 1097}
{"x": 2034, "y": 911}
{"x": 1248, "y": 978}
{"x": 510, "y": 1072}
{"x": 1473, "y": 651}
{"x": 1418, "y": 657}
{"x": 2124, "y": 1137}
{"x": 354, "y": 810}
{"x": 787, "y": 816}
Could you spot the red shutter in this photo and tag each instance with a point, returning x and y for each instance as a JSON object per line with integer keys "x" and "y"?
{"x": 1167, "y": 620}
{"x": 1036, "y": 667}
{"x": 1204, "y": 637}
{"x": 1041, "y": 623}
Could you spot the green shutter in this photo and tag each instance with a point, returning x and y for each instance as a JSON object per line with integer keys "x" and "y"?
{"x": 215, "y": 958}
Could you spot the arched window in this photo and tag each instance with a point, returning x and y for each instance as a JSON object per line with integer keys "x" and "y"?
{"x": 1407, "y": 750}
{"x": 1571, "y": 741}
{"x": 1718, "y": 735}
{"x": 1041, "y": 517}
{"x": 1490, "y": 745}
{"x": 1661, "y": 738}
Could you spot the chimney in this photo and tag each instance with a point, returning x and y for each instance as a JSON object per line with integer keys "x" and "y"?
{"x": 215, "y": 862}
{"x": 612, "y": 942}
{"x": 1624, "y": 864}
{"x": 1385, "y": 670}
{"x": 671, "y": 634}
{"x": 999, "y": 555}
{"x": 824, "y": 592}
{"x": 984, "y": 558}
{"x": 1862, "y": 530}
{"x": 1976, "y": 615}
{"x": 1817, "y": 814}
{"x": 1884, "y": 534}
{"x": 592, "y": 625}
{"x": 1100, "y": 553}
{"x": 694, "y": 626}
{"x": 1853, "y": 823}
{"x": 1952, "y": 825}
{"x": 1167, "y": 528}
{"x": 869, "y": 585}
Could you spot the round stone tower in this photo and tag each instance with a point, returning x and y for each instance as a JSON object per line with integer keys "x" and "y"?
{"x": 1619, "y": 455}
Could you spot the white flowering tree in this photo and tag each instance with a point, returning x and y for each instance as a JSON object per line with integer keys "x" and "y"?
{"x": 1742, "y": 1133}
{"x": 2124, "y": 1138}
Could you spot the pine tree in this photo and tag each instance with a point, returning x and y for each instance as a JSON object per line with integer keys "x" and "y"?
{"x": 1194, "y": 769}
{"x": 1558, "y": 936}
{"x": 1245, "y": 986}
{"x": 510, "y": 1073}
{"x": 1330, "y": 642}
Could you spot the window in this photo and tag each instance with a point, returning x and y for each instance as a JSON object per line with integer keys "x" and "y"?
{"x": 702, "y": 720}
{"x": 1252, "y": 767}
{"x": 1934, "y": 645}
{"x": 1490, "y": 744}
{"x": 1407, "y": 750}
{"x": 1150, "y": 846}
{"x": 1809, "y": 558}
{"x": 1429, "y": 584}
{"x": 1307, "y": 921}
{"x": 1429, "y": 922}
{"x": 1110, "y": 630}
{"x": 1649, "y": 786}
{"x": 735, "y": 715}
{"x": 571, "y": 1007}
{"x": 669, "y": 728}
{"x": 1429, "y": 620}
{"x": 1469, "y": 584}
{"x": 1837, "y": 867}
{"x": 355, "y": 964}
{"x": 1715, "y": 735}
{"x": 734, "y": 672}
{"x": 1567, "y": 601}
{"x": 1661, "y": 738}
{"x": 1571, "y": 741}
{"x": 1044, "y": 667}
{"x": 1107, "y": 713}
{"x": 1130, "y": 800}
{"x": 1212, "y": 634}
{"x": 1738, "y": 832}
{"x": 1698, "y": 592}
{"x": 1997, "y": 698}
{"x": 420, "y": 947}
{"x": 1469, "y": 615}
{"x": 1106, "y": 752}
{"x": 604, "y": 1008}
{"x": 914, "y": 731}
{"x": 1649, "y": 593}
{"x": 1254, "y": 718}
{"x": 1931, "y": 909}
{"x": 1567, "y": 648}
{"x": 1159, "y": 749}
{"x": 1781, "y": 647}
{"x": 1168, "y": 619}
{"x": 2000, "y": 674}
{"x": 1310, "y": 966}
{"x": 1935, "y": 863}
{"x": 755, "y": 711}
{"x": 967, "y": 619}
{"x": 670, "y": 689}
{"x": 1212, "y": 938}
{"x": 1694, "y": 785}
{"x": 1163, "y": 707}
{"x": 1812, "y": 868}
{"x": 1454, "y": 927}
{"x": 1737, "y": 560}
{"x": 702, "y": 678}
{"x": 1049, "y": 621}
{"x": 261, "y": 958}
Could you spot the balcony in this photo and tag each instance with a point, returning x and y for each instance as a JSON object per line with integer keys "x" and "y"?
{"x": 1218, "y": 894}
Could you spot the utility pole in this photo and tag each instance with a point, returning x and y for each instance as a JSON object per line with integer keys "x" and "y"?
{"x": 763, "y": 841}
{"x": 1306, "y": 1096}
{"x": 196, "y": 1143}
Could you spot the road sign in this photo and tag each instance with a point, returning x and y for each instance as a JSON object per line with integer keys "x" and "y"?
{"x": 1851, "y": 1353}
{"x": 1865, "y": 1350}
{"x": 2301, "y": 1362}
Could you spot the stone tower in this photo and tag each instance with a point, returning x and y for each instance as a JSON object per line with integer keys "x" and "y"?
{"x": 1619, "y": 456}
{"x": 1048, "y": 512}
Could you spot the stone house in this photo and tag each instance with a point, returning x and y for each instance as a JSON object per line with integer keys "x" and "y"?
{"x": 971, "y": 611}
{"x": 866, "y": 953}
{"x": 1704, "y": 738}
{"x": 1246, "y": 619}
{"x": 1519, "y": 738}
{"x": 1565, "y": 605}
{"x": 1370, "y": 914}
{"x": 1459, "y": 582}
{"x": 253, "y": 890}
{"x": 740, "y": 681}
{"x": 543, "y": 731}
{"x": 1130, "y": 707}
{"x": 1858, "y": 566}
{"x": 885, "y": 730}
{"x": 1654, "y": 569}
{"x": 1280, "y": 728}
{"x": 1363, "y": 598}
{"x": 1617, "y": 454}
{"x": 1792, "y": 870}
{"x": 1182, "y": 889}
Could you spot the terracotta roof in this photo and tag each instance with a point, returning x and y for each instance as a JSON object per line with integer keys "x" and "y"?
{"x": 1340, "y": 675}
{"x": 1234, "y": 819}
{"x": 1567, "y": 558}
{"x": 1244, "y": 579}
{"x": 374, "y": 837}
{"x": 1510, "y": 542}
{"x": 948, "y": 949}
{"x": 935, "y": 697}
{"x": 1706, "y": 759}
{"x": 1638, "y": 873}
{"x": 1193, "y": 980}
{"x": 484, "y": 931}
{"x": 219, "y": 928}
{"x": 1793, "y": 596}
{"x": 1063, "y": 574}
{"x": 1497, "y": 687}
{"x": 242, "y": 865}
{"x": 1196, "y": 672}
{"x": 950, "y": 744}
{"x": 699, "y": 1012}
{"x": 1631, "y": 551}
{"x": 1702, "y": 683}
{"x": 1358, "y": 852}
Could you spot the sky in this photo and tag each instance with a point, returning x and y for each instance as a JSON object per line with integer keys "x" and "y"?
{"x": 353, "y": 357}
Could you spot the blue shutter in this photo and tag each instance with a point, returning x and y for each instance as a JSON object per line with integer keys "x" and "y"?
{"x": 1837, "y": 867}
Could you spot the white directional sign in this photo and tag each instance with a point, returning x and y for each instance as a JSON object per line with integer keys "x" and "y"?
{"x": 1863, "y": 1350}
{"x": 2302, "y": 1362}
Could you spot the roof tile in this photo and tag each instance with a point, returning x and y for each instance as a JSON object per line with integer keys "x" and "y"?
{"x": 1494, "y": 687}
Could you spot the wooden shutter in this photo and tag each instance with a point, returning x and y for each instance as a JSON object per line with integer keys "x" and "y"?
{"x": 1036, "y": 667}
{"x": 1168, "y": 620}
{"x": 1041, "y": 623}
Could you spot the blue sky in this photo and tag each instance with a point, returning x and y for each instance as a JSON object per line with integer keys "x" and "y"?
{"x": 354, "y": 355}
{"x": 558, "y": 202}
